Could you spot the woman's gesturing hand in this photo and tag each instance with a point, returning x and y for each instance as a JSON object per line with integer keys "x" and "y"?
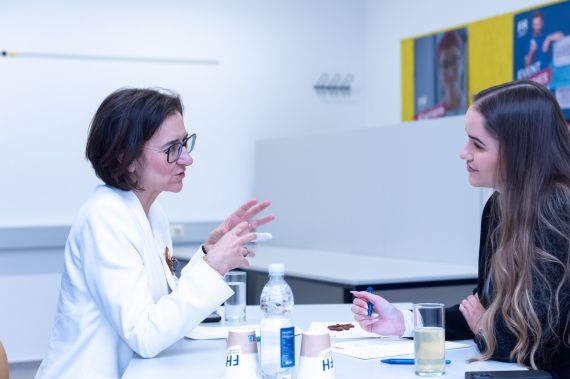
{"x": 229, "y": 251}
{"x": 246, "y": 213}
{"x": 225, "y": 246}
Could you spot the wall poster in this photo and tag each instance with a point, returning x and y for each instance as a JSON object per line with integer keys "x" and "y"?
{"x": 440, "y": 74}
{"x": 541, "y": 49}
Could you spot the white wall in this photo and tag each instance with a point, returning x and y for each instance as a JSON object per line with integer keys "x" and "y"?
{"x": 271, "y": 54}
{"x": 387, "y": 23}
{"x": 29, "y": 287}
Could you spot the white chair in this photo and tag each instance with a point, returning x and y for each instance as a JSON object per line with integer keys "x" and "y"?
{"x": 3, "y": 363}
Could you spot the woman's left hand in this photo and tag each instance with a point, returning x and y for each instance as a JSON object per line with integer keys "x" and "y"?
{"x": 246, "y": 212}
{"x": 472, "y": 310}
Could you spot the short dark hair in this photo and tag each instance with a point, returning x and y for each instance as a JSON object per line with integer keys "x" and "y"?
{"x": 125, "y": 120}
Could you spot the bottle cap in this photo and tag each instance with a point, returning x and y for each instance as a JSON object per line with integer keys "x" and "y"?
{"x": 276, "y": 269}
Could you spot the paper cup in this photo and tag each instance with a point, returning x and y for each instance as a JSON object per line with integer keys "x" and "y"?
{"x": 245, "y": 338}
{"x": 316, "y": 358}
{"x": 241, "y": 355}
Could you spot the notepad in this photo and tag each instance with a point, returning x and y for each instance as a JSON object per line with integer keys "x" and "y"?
{"x": 382, "y": 347}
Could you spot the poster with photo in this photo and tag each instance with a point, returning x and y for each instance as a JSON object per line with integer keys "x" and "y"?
{"x": 440, "y": 74}
{"x": 541, "y": 49}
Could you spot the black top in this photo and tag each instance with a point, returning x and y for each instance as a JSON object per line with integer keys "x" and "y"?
{"x": 553, "y": 359}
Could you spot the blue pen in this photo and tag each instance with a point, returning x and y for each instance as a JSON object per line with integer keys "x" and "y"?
{"x": 369, "y": 290}
{"x": 400, "y": 361}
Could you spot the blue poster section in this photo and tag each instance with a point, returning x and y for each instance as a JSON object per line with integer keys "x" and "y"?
{"x": 541, "y": 49}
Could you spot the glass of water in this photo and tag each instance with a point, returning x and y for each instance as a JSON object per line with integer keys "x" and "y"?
{"x": 234, "y": 308}
{"x": 429, "y": 339}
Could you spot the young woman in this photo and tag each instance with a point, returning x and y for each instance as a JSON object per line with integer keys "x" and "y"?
{"x": 119, "y": 295}
{"x": 519, "y": 145}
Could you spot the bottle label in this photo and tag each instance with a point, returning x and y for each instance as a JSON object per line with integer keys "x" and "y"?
{"x": 288, "y": 347}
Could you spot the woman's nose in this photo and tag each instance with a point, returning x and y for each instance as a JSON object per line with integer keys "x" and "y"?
{"x": 185, "y": 158}
{"x": 464, "y": 153}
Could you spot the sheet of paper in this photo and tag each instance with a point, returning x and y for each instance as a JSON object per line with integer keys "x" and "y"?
{"x": 212, "y": 332}
{"x": 355, "y": 332}
{"x": 382, "y": 347}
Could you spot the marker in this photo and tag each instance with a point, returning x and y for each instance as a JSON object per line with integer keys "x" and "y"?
{"x": 260, "y": 237}
{"x": 369, "y": 290}
{"x": 400, "y": 361}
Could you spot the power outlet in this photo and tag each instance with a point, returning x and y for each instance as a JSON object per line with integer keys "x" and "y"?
{"x": 177, "y": 230}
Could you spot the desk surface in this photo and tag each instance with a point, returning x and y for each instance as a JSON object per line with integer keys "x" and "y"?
{"x": 351, "y": 269}
{"x": 206, "y": 358}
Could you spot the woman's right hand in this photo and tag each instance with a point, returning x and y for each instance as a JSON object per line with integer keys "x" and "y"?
{"x": 246, "y": 212}
{"x": 229, "y": 251}
{"x": 386, "y": 319}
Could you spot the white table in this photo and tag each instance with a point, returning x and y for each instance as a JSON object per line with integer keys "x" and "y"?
{"x": 353, "y": 271}
{"x": 206, "y": 358}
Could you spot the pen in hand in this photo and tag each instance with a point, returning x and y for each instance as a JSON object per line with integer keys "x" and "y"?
{"x": 369, "y": 290}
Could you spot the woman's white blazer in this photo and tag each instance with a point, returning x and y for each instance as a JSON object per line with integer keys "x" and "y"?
{"x": 118, "y": 295}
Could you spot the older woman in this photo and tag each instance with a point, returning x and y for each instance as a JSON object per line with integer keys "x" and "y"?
{"x": 118, "y": 292}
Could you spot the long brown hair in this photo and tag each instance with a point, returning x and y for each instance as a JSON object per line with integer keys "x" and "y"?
{"x": 533, "y": 210}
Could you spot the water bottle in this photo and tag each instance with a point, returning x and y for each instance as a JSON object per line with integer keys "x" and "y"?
{"x": 277, "y": 350}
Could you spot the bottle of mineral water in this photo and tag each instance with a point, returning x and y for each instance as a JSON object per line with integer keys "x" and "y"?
{"x": 277, "y": 331}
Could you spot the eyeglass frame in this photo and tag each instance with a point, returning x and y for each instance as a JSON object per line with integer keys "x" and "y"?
{"x": 180, "y": 146}
{"x": 451, "y": 63}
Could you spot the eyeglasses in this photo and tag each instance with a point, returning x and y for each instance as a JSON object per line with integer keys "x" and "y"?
{"x": 450, "y": 63}
{"x": 174, "y": 151}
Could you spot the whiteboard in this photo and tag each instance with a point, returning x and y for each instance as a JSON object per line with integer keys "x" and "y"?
{"x": 396, "y": 191}
{"x": 46, "y": 106}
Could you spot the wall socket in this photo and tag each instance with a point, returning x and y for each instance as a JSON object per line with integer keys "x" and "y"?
{"x": 177, "y": 230}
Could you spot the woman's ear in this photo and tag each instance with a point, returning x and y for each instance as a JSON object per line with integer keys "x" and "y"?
{"x": 131, "y": 168}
